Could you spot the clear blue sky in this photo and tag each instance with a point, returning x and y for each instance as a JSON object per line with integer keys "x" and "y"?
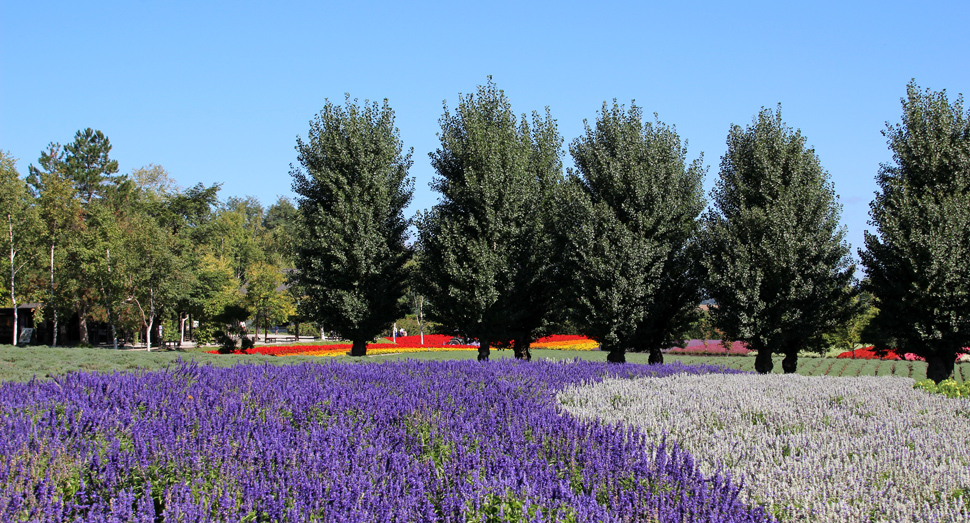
{"x": 218, "y": 91}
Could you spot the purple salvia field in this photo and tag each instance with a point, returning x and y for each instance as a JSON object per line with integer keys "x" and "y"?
{"x": 818, "y": 449}
{"x": 408, "y": 442}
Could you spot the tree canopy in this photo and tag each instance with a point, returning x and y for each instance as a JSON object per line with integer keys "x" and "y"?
{"x": 627, "y": 225}
{"x": 486, "y": 256}
{"x": 352, "y": 187}
{"x": 777, "y": 264}
{"x": 916, "y": 260}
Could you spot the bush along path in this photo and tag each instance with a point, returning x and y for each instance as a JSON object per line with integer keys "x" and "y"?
{"x": 409, "y": 441}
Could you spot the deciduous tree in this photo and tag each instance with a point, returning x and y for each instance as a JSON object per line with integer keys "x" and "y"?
{"x": 267, "y": 302}
{"x": 60, "y": 215}
{"x": 21, "y": 226}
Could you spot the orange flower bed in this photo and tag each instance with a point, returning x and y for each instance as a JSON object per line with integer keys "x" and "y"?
{"x": 565, "y": 342}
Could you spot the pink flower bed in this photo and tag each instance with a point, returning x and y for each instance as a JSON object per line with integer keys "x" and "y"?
{"x": 713, "y": 347}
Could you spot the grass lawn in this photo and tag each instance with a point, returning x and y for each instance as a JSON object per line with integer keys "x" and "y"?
{"x": 24, "y": 363}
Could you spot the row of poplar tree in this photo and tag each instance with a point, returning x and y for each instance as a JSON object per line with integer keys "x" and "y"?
{"x": 124, "y": 253}
{"x": 620, "y": 245}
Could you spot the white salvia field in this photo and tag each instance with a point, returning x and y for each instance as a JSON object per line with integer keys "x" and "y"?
{"x": 808, "y": 448}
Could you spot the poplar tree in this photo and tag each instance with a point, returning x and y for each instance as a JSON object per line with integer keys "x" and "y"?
{"x": 627, "y": 226}
{"x": 916, "y": 261}
{"x": 487, "y": 264}
{"x": 777, "y": 264}
{"x": 352, "y": 187}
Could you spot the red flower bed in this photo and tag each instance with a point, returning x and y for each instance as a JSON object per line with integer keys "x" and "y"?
{"x": 430, "y": 340}
{"x": 870, "y": 353}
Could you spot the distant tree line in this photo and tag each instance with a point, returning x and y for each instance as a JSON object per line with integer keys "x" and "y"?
{"x": 620, "y": 248}
{"x": 129, "y": 253}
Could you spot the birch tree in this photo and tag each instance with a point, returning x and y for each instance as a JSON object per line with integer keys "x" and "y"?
{"x": 20, "y": 216}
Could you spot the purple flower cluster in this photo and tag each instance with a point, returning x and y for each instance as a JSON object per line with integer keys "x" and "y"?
{"x": 408, "y": 441}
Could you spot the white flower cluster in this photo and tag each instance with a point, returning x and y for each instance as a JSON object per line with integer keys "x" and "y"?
{"x": 820, "y": 449}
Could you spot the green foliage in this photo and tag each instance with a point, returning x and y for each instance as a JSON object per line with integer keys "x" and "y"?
{"x": 281, "y": 223}
{"x": 267, "y": 303}
{"x": 84, "y": 282}
{"x": 216, "y": 299}
{"x": 853, "y": 332}
{"x": 20, "y": 226}
{"x": 238, "y": 225}
{"x": 353, "y": 187}
{"x": 60, "y": 214}
{"x": 701, "y": 328}
{"x": 948, "y": 387}
{"x": 486, "y": 264}
{"x": 227, "y": 344}
{"x": 916, "y": 261}
{"x": 628, "y": 217}
{"x": 776, "y": 262}
{"x": 84, "y": 161}
{"x": 513, "y": 509}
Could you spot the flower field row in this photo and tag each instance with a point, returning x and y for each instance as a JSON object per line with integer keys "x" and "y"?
{"x": 396, "y": 442}
{"x": 808, "y": 448}
{"x": 565, "y": 342}
{"x": 711, "y": 347}
{"x": 406, "y": 344}
{"x": 870, "y": 353}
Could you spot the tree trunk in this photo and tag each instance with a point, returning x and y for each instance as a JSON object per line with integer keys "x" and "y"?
{"x": 656, "y": 357}
{"x": 83, "y": 325}
{"x": 940, "y": 365}
{"x": 13, "y": 272}
{"x": 616, "y": 355}
{"x": 521, "y": 348}
{"x": 51, "y": 298}
{"x": 762, "y": 362}
{"x": 790, "y": 363}
{"x": 420, "y": 317}
{"x": 148, "y": 332}
{"x": 359, "y": 347}
{"x": 483, "y": 349}
{"x": 107, "y": 300}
